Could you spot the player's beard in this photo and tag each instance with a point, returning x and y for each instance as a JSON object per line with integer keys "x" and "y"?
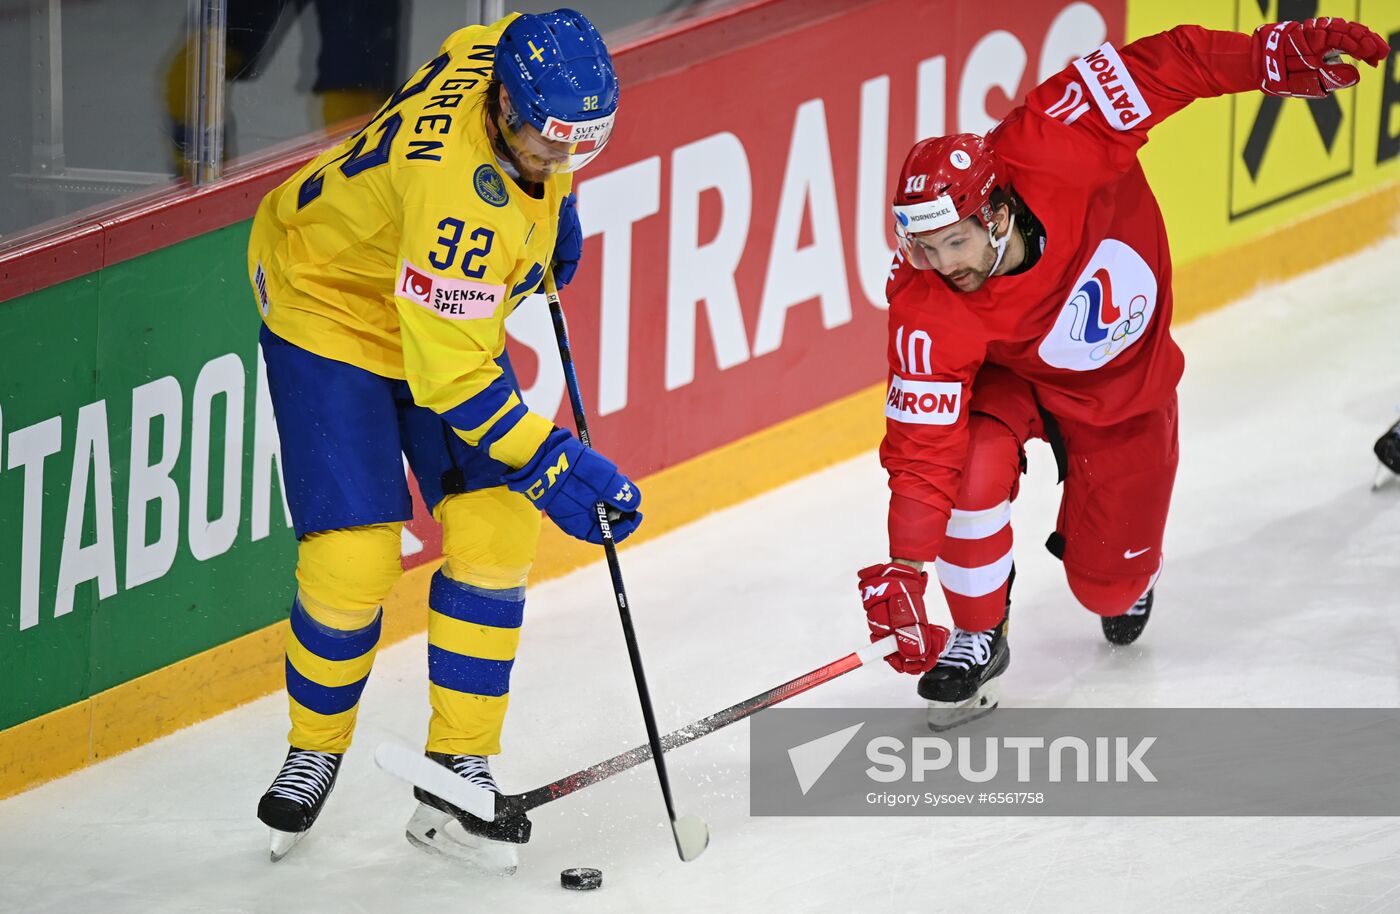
{"x": 520, "y": 170}
{"x": 970, "y": 279}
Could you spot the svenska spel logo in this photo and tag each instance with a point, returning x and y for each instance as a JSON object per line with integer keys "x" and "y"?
{"x": 416, "y": 285}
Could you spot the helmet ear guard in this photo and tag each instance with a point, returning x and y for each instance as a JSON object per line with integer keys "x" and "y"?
{"x": 1000, "y": 243}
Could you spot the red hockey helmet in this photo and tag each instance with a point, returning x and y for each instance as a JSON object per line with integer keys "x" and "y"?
{"x": 944, "y": 180}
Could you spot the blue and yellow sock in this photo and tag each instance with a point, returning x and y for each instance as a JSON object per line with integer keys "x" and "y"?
{"x": 473, "y": 633}
{"x": 327, "y": 668}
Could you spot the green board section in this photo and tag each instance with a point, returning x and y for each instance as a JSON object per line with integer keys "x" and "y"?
{"x": 158, "y": 529}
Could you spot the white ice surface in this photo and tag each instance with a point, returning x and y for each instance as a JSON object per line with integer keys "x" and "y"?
{"x": 1281, "y": 589}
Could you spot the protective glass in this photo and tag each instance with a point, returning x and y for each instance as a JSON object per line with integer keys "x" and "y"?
{"x": 561, "y": 147}
{"x": 913, "y": 250}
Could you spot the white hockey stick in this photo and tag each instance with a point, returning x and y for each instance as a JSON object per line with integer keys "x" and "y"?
{"x": 421, "y": 771}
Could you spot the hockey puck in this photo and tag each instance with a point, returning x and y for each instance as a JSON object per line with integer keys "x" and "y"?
{"x": 581, "y": 878}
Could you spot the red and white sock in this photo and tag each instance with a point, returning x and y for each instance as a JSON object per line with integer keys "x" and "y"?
{"x": 974, "y": 567}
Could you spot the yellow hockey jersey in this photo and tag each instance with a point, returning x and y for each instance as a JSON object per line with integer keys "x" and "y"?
{"x": 402, "y": 249}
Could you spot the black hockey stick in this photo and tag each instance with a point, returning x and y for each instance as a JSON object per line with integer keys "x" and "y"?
{"x": 591, "y": 775}
{"x": 691, "y": 833}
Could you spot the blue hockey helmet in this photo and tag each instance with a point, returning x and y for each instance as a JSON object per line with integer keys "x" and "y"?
{"x": 560, "y": 93}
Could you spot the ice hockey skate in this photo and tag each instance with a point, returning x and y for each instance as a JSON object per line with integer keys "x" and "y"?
{"x": 1125, "y": 629}
{"x": 963, "y": 685}
{"x": 439, "y": 827}
{"x": 1388, "y": 453}
{"x": 290, "y": 806}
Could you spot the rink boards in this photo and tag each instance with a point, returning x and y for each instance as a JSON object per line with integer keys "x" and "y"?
{"x": 727, "y": 321}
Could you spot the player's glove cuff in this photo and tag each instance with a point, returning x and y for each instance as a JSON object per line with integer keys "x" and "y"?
{"x": 567, "y": 480}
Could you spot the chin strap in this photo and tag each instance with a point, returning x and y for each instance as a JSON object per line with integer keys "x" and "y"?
{"x": 1000, "y": 244}
{"x": 499, "y": 150}
{"x": 511, "y": 171}
{"x": 503, "y": 158}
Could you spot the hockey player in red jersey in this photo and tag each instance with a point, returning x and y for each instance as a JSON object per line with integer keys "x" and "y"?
{"x": 1031, "y": 298}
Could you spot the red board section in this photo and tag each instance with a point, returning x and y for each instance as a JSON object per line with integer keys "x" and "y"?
{"x": 735, "y": 271}
{"x": 739, "y": 219}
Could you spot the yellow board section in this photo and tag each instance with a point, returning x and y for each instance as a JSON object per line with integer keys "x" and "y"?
{"x": 1232, "y": 170}
{"x": 1222, "y": 277}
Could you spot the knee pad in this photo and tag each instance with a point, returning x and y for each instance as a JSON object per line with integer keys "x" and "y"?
{"x": 1107, "y": 596}
{"x": 344, "y": 620}
{"x": 489, "y": 537}
{"x": 992, "y": 470}
{"x": 345, "y": 574}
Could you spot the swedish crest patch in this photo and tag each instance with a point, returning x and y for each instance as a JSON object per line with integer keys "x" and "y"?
{"x": 490, "y": 186}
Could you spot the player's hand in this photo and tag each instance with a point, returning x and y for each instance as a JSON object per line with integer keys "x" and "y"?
{"x": 565, "y": 480}
{"x": 893, "y": 596}
{"x": 1303, "y": 59}
{"x": 568, "y": 245}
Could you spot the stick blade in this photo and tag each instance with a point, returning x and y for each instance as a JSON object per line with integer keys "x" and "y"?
{"x": 692, "y": 837}
{"x": 421, "y": 771}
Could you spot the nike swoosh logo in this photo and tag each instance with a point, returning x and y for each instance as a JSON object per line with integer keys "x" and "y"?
{"x": 1133, "y": 555}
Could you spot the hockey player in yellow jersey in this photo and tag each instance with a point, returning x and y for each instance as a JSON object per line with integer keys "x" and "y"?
{"x": 384, "y": 270}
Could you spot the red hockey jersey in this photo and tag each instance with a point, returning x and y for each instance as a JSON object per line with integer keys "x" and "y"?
{"x": 1089, "y": 324}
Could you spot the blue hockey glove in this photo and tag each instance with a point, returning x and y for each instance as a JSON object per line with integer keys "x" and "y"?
{"x": 566, "y": 479}
{"x": 568, "y": 245}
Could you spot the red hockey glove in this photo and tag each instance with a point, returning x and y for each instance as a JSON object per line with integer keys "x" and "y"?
{"x": 1303, "y": 59}
{"x": 893, "y": 596}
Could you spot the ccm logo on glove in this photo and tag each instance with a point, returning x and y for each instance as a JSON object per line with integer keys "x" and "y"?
{"x": 1303, "y": 59}
{"x": 567, "y": 481}
{"x": 537, "y": 489}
